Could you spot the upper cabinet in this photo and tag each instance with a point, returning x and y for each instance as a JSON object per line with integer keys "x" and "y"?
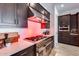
{"x": 21, "y": 14}
{"x": 73, "y": 22}
{"x": 8, "y": 13}
{"x": 78, "y": 21}
{"x": 13, "y": 15}
{"x": 64, "y": 22}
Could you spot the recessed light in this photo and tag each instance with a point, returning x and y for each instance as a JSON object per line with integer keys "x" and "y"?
{"x": 62, "y": 5}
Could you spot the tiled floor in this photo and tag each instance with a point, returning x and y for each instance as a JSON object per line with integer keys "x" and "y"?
{"x": 66, "y": 50}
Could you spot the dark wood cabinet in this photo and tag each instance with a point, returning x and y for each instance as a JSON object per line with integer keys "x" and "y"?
{"x": 70, "y": 36}
{"x": 63, "y": 37}
{"x": 73, "y": 23}
{"x": 47, "y": 14}
{"x": 78, "y": 21}
{"x": 74, "y": 40}
{"x": 48, "y": 24}
{"x": 42, "y": 48}
{"x": 26, "y": 52}
{"x": 64, "y": 20}
{"x": 64, "y": 29}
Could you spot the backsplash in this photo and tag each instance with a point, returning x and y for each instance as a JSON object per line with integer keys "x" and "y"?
{"x": 32, "y": 30}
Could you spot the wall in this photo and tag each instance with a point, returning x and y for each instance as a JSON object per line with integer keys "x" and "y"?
{"x": 32, "y": 30}
{"x": 55, "y": 26}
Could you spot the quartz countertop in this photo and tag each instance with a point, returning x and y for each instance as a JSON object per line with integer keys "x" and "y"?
{"x": 18, "y": 46}
{"x": 74, "y": 34}
{"x": 15, "y": 47}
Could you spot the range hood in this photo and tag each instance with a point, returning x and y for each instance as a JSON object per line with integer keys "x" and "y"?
{"x": 34, "y": 15}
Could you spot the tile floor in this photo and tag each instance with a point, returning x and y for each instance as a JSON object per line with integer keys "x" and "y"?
{"x": 65, "y": 50}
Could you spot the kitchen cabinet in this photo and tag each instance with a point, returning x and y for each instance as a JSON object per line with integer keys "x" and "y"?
{"x": 63, "y": 37}
{"x": 74, "y": 40}
{"x": 64, "y": 21}
{"x": 8, "y": 13}
{"x": 49, "y": 48}
{"x": 1, "y": 12}
{"x": 69, "y": 36}
{"x": 21, "y": 14}
{"x": 44, "y": 47}
{"x": 78, "y": 21}
{"x": 49, "y": 45}
{"x": 73, "y": 23}
{"x": 63, "y": 29}
{"x": 13, "y": 15}
{"x": 48, "y": 24}
{"x": 30, "y": 51}
{"x": 47, "y": 14}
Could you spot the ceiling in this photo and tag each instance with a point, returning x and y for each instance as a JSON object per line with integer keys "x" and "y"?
{"x": 67, "y": 7}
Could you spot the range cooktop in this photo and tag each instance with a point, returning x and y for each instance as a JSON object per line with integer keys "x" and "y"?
{"x": 35, "y": 38}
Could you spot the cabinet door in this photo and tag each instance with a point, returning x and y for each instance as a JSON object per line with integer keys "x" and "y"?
{"x": 74, "y": 40}
{"x": 1, "y": 12}
{"x": 22, "y": 14}
{"x": 63, "y": 37}
{"x": 8, "y": 13}
{"x": 73, "y": 22}
{"x": 48, "y": 24}
{"x": 64, "y": 20}
{"x": 78, "y": 21}
{"x": 47, "y": 14}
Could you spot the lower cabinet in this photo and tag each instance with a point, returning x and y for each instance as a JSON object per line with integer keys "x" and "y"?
{"x": 74, "y": 40}
{"x": 45, "y": 48}
{"x": 67, "y": 38}
{"x": 26, "y": 52}
{"x": 63, "y": 37}
{"x": 40, "y": 49}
